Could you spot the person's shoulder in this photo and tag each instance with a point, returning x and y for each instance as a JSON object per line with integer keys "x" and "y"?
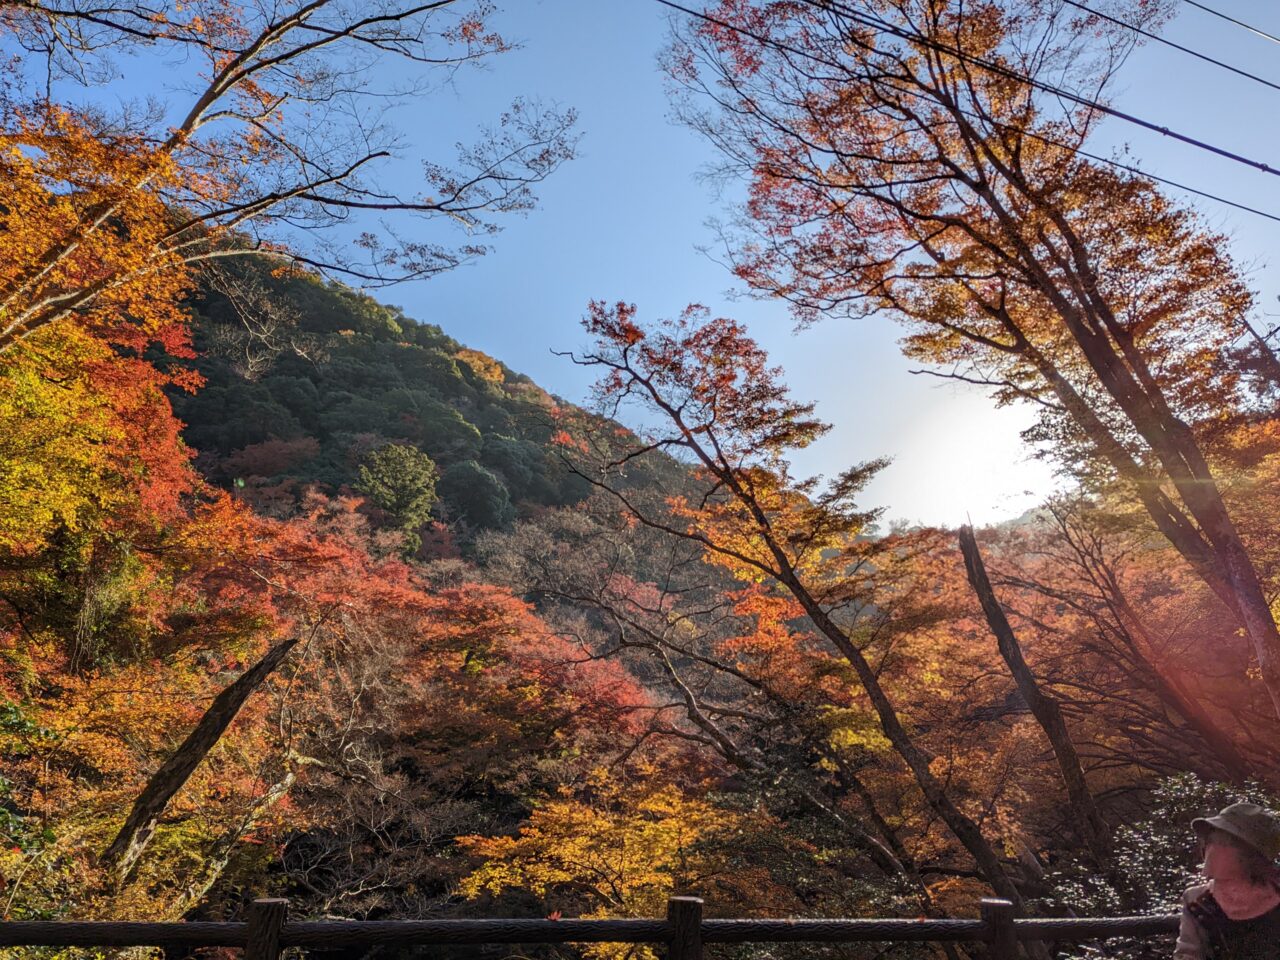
{"x": 1195, "y": 893}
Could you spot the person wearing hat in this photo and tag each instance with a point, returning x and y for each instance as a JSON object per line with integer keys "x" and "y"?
{"x": 1236, "y": 915}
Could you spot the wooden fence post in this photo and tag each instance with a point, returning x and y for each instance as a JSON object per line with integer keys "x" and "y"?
{"x": 266, "y": 917}
{"x": 685, "y": 915}
{"x": 1002, "y": 938}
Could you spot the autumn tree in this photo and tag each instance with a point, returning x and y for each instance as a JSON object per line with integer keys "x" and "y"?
{"x": 720, "y": 406}
{"x": 105, "y": 216}
{"x": 622, "y": 850}
{"x": 446, "y": 730}
{"x": 733, "y": 678}
{"x": 622, "y": 839}
{"x": 924, "y": 159}
{"x": 88, "y": 440}
{"x": 483, "y": 366}
{"x": 1044, "y": 707}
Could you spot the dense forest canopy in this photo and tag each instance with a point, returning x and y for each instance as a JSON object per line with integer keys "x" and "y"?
{"x": 349, "y": 376}
{"x": 302, "y": 596}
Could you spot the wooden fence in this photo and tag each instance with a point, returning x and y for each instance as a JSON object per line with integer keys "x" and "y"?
{"x": 684, "y": 931}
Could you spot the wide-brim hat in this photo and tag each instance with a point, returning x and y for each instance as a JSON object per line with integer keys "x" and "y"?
{"x": 1248, "y": 822}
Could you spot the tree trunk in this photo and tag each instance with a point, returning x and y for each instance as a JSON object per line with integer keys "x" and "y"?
{"x": 1043, "y": 708}
{"x": 127, "y": 847}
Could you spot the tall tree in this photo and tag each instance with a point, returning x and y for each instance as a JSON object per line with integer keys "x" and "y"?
{"x": 911, "y": 157}
{"x": 719, "y": 404}
{"x": 1045, "y": 709}
{"x": 103, "y": 216}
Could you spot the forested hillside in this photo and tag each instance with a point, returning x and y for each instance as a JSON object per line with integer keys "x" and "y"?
{"x": 321, "y": 377}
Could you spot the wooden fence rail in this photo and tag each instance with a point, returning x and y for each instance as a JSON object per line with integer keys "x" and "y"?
{"x": 683, "y": 932}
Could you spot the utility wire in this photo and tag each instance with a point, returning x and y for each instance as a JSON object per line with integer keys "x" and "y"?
{"x": 759, "y": 38}
{"x": 1169, "y": 43}
{"x": 883, "y": 26}
{"x": 1238, "y": 23}
{"x": 1149, "y": 176}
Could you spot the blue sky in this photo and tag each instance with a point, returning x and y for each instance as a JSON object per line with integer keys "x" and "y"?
{"x": 624, "y": 219}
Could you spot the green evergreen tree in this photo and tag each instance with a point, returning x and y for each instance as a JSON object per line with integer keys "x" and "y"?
{"x": 401, "y": 480}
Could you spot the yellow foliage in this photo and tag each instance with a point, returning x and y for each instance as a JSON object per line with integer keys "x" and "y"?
{"x": 855, "y": 730}
{"x": 86, "y": 228}
{"x": 623, "y": 851}
{"x": 55, "y": 426}
{"x": 482, "y": 365}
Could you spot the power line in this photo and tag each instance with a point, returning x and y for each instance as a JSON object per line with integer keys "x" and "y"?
{"x": 884, "y": 26}
{"x": 1238, "y": 23}
{"x": 1169, "y": 43}
{"x": 1149, "y": 176}
{"x": 1024, "y": 132}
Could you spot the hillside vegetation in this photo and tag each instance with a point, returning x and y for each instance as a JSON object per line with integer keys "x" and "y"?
{"x": 332, "y": 375}
{"x": 496, "y": 686}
